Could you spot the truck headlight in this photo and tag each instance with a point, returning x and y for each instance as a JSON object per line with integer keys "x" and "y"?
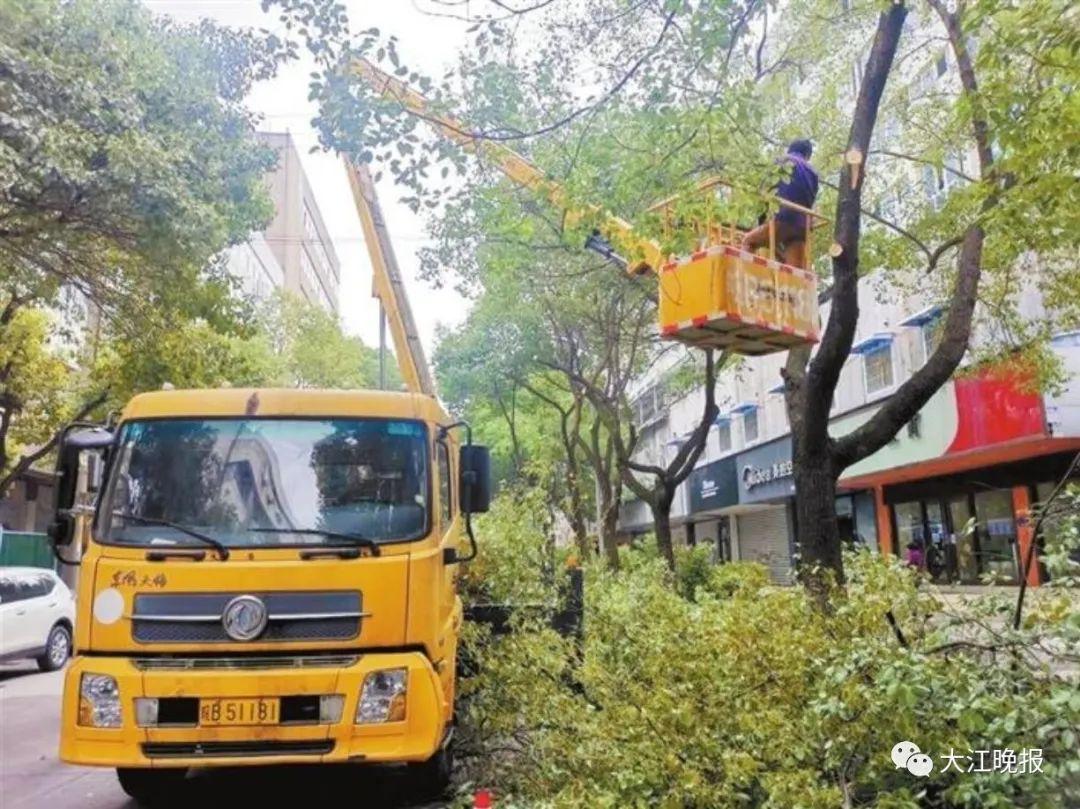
{"x": 99, "y": 701}
{"x": 382, "y": 697}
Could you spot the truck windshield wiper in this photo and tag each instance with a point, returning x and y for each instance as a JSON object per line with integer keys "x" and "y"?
{"x": 217, "y": 545}
{"x": 353, "y": 539}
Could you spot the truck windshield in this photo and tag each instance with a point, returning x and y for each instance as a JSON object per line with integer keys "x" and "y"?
{"x": 266, "y": 482}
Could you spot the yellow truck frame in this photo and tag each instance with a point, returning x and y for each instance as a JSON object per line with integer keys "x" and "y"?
{"x": 190, "y": 651}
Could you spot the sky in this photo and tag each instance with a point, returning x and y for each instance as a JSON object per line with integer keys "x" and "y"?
{"x": 431, "y": 44}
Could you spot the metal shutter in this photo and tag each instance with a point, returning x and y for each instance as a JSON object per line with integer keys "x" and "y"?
{"x": 763, "y": 538}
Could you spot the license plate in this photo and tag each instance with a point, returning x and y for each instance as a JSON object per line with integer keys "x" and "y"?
{"x": 213, "y": 712}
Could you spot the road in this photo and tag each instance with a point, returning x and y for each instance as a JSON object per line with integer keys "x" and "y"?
{"x": 32, "y": 777}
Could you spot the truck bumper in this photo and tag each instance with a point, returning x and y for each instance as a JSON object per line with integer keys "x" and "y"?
{"x": 416, "y": 738}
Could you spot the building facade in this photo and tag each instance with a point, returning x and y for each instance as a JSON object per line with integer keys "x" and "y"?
{"x": 960, "y": 481}
{"x": 296, "y": 240}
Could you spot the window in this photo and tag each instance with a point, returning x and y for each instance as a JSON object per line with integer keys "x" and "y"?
{"x": 43, "y": 585}
{"x": 649, "y": 406}
{"x": 20, "y": 586}
{"x": 750, "y": 426}
{"x": 934, "y": 184}
{"x": 269, "y": 482}
{"x": 878, "y": 370}
{"x": 445, "y": 504}
{"x": 314, "y": 242}
{"x": 931, "y": 333}
{"x": 723, "y": 435}
{"x": 941, "y": 65}
{"x": 313, "y": 280}
{"x": 856, "y": 78}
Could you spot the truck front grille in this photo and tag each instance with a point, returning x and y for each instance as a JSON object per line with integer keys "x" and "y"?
{"x": 246, "y": 663}
{"x": 196, "y": 617}
{"x": 236, "y": 749}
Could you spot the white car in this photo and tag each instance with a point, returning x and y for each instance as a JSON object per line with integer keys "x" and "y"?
{"x": 37, "y": 616}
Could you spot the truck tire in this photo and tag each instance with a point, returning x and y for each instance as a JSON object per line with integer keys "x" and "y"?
{"x": 57, "y": 649}
{"x": 430, "y": 779}
{"x": 152, "y": 787}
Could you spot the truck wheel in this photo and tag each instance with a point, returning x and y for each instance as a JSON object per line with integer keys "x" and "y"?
{"x": 57, "y": 649}
{"x": 431, "y": 778}
{"x": 151, "y": 787}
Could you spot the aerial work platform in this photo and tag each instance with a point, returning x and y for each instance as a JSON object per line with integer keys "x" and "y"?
{"x": 726, "y": 298}
{"x": 722, "y": 296}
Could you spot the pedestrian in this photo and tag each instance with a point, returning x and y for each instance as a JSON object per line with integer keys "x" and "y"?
{"x": 915, "y": 556}
{"x": 790, "y": 224}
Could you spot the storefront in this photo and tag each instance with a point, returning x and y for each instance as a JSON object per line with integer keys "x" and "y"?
{"x": 954, "y": 495}
{"x": 765, "y": 522}
{"x": 712, "y": 491}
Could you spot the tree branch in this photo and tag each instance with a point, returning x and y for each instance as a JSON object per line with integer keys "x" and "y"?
{"x": 825, "y": 367}
{"x": 28, "y": 460}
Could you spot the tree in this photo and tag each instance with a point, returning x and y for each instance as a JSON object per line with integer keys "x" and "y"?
{"x": 127, "y": 163}
{"x": 312, "y": 351}
{"x": 666, "y": 478}
{"x": 685, "y": 91}
{"x": 292, "y": 344}
{"x": 986, "y": 236}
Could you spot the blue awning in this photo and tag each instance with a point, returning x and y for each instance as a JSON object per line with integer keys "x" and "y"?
{"x": 722, "y": 418}
{"x": 777, "y": 388}
{"x": 744, "y": 407}
{"x": 873, "y": 343}
{"x": 927, "y": 315}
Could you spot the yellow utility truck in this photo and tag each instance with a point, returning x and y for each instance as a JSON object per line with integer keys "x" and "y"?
{"x": 269, "y": 576}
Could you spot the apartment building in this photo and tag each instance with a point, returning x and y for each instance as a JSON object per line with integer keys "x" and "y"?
{"x": 294, "y": 252}
{"x": 960, "y": 480}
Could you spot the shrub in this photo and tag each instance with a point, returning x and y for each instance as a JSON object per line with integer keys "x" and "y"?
{"x": 749, "y": 696}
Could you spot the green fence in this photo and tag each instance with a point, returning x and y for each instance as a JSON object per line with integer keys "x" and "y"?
{"x": 18, "y": 549}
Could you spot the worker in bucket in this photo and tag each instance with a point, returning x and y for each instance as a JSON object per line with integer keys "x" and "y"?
{"x": 791, "y": 224}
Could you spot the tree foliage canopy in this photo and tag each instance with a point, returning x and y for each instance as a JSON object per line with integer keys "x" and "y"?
{"x": 128, "y": 158}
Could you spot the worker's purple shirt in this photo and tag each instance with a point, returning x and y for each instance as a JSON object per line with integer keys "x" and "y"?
{"x": 800, "y": 188}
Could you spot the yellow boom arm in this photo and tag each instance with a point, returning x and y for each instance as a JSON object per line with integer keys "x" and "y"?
{"x": 387, "y": 284}
{"x": 641, "y": 254}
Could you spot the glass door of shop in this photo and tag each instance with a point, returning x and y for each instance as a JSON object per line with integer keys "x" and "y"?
{"x": 960, "y": 538}
{"x": 963, "y": 539}
{"x": 995, "y": 530}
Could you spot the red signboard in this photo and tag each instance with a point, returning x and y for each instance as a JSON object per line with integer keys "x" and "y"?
{"x": 993, "y": 407}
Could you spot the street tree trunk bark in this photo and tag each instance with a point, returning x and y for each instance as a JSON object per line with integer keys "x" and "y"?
{"x": 815, "y": 514}
{"x": 660, "y": 507}
{"x": 810, "y": 384}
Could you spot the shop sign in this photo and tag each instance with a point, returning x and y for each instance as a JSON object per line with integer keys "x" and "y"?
{"x": 713, "y": 486}
{"x": 754, "y": 476}
{"x": 766, "y": 473}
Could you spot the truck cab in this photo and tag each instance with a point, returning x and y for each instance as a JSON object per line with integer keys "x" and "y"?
{"x": 266, "y": 577}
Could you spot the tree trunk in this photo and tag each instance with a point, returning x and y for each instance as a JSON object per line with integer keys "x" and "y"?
{"x": 576, "y": 514}
{"x": 609, "y": 531}
{"x": 660, "y": 506}
{"x": 817, "y": 543}
{"x": 811, "y": 386}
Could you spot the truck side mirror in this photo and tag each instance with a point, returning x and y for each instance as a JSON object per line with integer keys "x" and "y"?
{"x": 75, "y": 440}
{"x": 475, "y": 483}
